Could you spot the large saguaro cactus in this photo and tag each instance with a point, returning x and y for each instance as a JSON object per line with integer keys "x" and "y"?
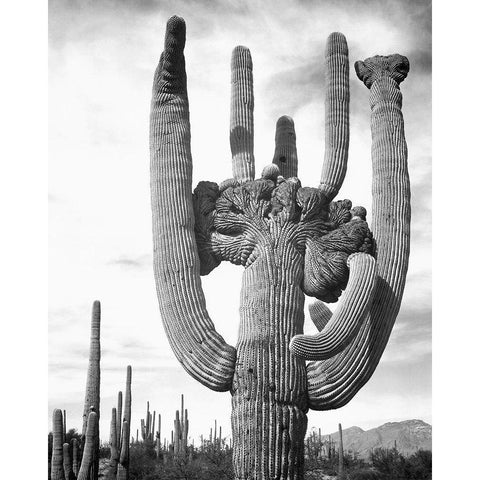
{"x": 292, "y": 241}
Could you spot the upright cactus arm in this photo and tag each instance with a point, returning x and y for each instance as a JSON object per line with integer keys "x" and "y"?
{"x": 200, "y": 349}
{"x": 337, "y": 130}
{"x": 241, "y": 115}
{"x": 285, "y": 156}
{"x": 334, "y": 382}
{"x": 348, "y": 317}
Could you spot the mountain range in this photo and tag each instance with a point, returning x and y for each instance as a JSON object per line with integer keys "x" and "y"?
{"x": 408, "y": 436}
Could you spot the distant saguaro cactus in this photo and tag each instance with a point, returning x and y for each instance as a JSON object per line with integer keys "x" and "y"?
{"x": 293, "y": 241}
{"x": 57, "y": 471}
{"x": 92, "y": 391}
{"x": 88, "y": 466}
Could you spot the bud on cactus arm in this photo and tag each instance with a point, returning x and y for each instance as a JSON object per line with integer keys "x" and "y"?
{"x": 334, "y": 382}
{"x": 337, "y": 99}
{"x": 191, "y": 333}
{"x": 91, "y": 443}
{"x": 320, "y": 314}
{"x": 57, "y": 472}
{"x": 347, "y": 319}
{"x": 241, "y": 115}
{"x": 285, "y": 156}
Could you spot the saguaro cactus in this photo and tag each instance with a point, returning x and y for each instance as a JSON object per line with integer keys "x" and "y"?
{"x": 293, "y": 241}
{"x": 88, "y": 466}
{"x": 92, "y": 391}
{"x": 57, "y": 471}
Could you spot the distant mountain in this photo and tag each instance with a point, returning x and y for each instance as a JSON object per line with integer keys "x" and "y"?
{"x": 410, "y": 436}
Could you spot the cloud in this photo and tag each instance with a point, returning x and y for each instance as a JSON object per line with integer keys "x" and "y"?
{"x": 132, "y": 262}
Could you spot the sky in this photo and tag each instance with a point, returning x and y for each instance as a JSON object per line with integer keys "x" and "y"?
{"x": 102, "y": 55}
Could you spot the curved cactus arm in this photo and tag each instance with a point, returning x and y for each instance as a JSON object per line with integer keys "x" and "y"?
{"x": 285, "y": 156}
{"x": 88, "y": 457}
{"x": 320, "y": 314}
{"x": 337, "y": 130}
{"x": 334, "y": 382}
{"x": 191, "y": 333}
{"x": 347, "y": 319}
{"x": 241, "y": 115}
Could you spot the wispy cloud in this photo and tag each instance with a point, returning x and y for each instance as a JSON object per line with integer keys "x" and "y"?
{"x": 132, "y": 262}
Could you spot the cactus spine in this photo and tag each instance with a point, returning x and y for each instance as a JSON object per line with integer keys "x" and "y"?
{"x": 292, "y": 241}
{"x": 92, "y": 392}
{"x": 57, "y": 471}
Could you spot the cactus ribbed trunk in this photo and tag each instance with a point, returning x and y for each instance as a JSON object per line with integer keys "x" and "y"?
{"x": 119, "y": 419}
{"x": 57, "y": 472}
{"x": 75, "y": 456}
{"x": 122, "y": 468}
{"x": 270, "y": 387}
{"x": 92, "y": 391}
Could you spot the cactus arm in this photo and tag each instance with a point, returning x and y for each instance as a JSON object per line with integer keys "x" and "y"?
{"x": 285, "y": 156}
{"x": 114, "y": 455}
{"x": 57, "y": 471}
{"x": 347, "y": 319}
{"x": 241, "y": 115}
{"x": 122, "y": 468}
{"x": 334, "y": 382}
{"x": 91, "y": 442}
{"x": 337, "y": 132}
{"x": 191, "y": 333}
{"x": 320, "y": 314}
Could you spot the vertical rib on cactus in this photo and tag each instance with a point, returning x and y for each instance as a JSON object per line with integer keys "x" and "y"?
{"x": 67, "y": 463}
{"x": 88, "y": 466}
{"x": 337, "y": 99}
{"x": 191, "y": 333}
{"x": 92, "y": 392}
{"x": 241, "y": 115}
{"x": 334, "y": 382}
{"x": 285, "y": 156}
{"x": 114, "y": 453}
{"x": 57, "y": 472}
{"x": 348, "y": 317}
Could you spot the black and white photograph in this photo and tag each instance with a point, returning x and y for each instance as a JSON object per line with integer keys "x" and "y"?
{"x": 239, "y": 264}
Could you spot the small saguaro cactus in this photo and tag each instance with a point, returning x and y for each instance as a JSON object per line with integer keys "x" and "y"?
{"x": 75, "y": 465}
{"x": 341, "y": 472}
{"x": 57, "y": 471}
{"x": 292, "y": 241}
